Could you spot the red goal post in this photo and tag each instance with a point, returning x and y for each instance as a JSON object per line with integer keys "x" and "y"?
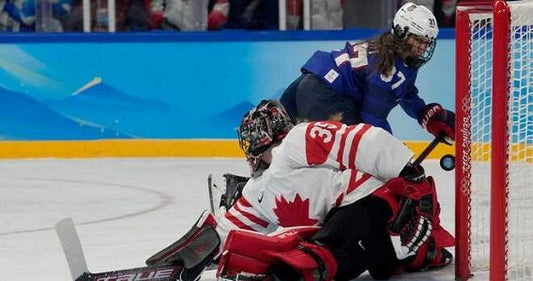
{"x": 494, "y": 173}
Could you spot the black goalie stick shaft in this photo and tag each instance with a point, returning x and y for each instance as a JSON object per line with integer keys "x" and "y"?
{"x": 427, "y": 151}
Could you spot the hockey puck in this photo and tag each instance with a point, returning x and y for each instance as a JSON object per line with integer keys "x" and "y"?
{"x": 447, "y": 162}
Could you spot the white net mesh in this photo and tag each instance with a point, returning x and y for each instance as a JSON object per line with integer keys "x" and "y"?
{"x": 520, "y": 206}
{"x": 520, "y": 162}
{"x": 480, "y": 102}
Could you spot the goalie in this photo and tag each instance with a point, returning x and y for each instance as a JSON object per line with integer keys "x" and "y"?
{"x": 325, "y": 201}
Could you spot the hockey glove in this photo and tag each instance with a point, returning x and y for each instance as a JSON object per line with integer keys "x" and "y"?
{"x": 413, "y": 227}
{"x": 195, "y": 251}
{"x": 429, "y": 256}
{"x": 439, "y": 122}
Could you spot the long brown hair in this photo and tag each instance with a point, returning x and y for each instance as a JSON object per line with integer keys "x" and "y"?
{"x": 387, "y": 46}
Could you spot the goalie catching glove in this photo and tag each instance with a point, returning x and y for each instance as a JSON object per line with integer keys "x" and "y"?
{"x": 413, "y": 228}
{"x": 439, "y": 122}
{"x": 413, "y": 200}
{"x": 413, "y": 221}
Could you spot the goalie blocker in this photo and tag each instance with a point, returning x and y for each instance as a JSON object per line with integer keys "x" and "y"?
{"x": 194, "y": 252}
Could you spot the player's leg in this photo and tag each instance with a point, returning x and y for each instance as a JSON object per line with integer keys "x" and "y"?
{"x": 381, "y": 252}
{"x": 358, "y": 238}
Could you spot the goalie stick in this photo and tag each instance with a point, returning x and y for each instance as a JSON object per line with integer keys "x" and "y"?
{"x": 427, "y": 150}
{"x": 70, "y": 241}
{"x": 210, "y": 191}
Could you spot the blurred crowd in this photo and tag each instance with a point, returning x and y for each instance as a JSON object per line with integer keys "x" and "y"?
{"x": 198, "y": 15}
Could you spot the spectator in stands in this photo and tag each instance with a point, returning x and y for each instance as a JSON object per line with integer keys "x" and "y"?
{"x": 74, "y": 22}
{"x": 444, "y": 10}
{"x": 60, "y": 14}
{"x": 368, "y": 14}
{"x": 18, "y": 16}
{"x": 364, "y": 81}
{"x": 243, "y": 14}
{"x": 326, "y": 14}
{"x": 378, "y": 13}
{"x": 130, "y": 15}
{"x": 182, "y": 15}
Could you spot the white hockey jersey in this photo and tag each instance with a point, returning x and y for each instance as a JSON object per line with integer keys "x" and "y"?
{"x": 318, "y": 166}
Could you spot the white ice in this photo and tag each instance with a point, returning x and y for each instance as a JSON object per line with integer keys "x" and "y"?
{"x": 125, "y": 209}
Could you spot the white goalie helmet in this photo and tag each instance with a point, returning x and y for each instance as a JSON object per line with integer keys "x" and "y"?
{"x": 419, "y": 21}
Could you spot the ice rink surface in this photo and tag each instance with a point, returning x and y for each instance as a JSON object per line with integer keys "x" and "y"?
{"x": 125, "y": 209}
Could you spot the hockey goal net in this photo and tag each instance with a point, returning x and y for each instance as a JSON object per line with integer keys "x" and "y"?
{"x": 494, "y": 172}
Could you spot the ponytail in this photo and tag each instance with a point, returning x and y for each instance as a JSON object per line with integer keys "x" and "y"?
{"x": 386, "y": 46}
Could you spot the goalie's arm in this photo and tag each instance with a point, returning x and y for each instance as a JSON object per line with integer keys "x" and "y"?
{"x": 361, "y": 147}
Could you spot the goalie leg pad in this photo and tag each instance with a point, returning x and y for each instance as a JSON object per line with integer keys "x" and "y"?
{"x": 251, "y": 253}
{"x": 311, "y": 261}
{"x": 197, "y": 247}
{"x": 308, "y": 262}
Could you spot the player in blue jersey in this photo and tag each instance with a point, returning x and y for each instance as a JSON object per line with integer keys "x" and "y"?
{"x": 363, "y": 82}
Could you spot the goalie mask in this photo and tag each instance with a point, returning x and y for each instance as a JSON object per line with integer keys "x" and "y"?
{"x": 417, "y": 27}
{"x": 263, "y": 125}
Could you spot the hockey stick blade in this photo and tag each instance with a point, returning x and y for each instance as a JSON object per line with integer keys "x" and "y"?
{"x": 149, "y": 273}
{"x": 70, "y": 241}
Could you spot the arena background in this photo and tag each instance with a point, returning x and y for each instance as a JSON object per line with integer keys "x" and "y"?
{"x": 167, "y": 94}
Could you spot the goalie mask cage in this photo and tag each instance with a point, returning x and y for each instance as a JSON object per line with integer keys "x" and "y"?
{"x": 494, "y": 174}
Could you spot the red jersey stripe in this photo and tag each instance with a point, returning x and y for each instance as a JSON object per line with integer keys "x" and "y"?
{"x": 237, "y": 222}
{"x": 355, "y": 144}
{"x": 244, "y": 202}
{"x": 339, "y": 200}
{"x": 342, "y": 143}
{"x": 248, "y": 215}
{"x": 354, "y": 183}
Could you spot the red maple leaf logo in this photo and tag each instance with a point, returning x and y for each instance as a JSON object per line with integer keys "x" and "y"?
{"x": 294, "y": 213}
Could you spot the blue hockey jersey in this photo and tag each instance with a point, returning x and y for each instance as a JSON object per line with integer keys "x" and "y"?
{"x": 349, "y": 72}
